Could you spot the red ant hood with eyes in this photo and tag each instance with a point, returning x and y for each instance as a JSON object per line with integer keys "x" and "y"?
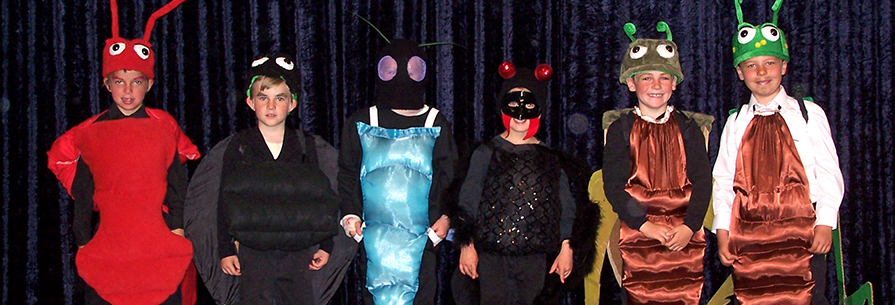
{"x": 136, "y": 54}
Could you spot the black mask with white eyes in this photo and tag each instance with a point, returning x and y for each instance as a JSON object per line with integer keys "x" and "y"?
{"x": 276, "y": 65}
{"x": 401, "y": 75}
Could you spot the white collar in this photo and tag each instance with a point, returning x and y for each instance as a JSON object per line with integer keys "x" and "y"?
{"x": 662, "y": 118}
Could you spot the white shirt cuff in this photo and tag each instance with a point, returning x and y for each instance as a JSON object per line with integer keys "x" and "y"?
{"x": 350, "y": 228}
{"x": 721, "y": 222}
{"x": 826, "y": 216}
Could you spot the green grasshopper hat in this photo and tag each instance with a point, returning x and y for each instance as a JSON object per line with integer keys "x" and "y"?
{"x": 650, "y": 55}
{"x": 751, "y": 41}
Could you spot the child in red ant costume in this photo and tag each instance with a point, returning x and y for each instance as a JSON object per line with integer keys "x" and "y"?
{"x": 125, "y": 163}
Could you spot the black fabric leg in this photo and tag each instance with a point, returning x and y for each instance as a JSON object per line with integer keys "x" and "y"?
{"x": 510, "y": 280}
{"x": 275, "y": 277}
{"x": 92, "y": 298}
{"x": 425, "y": 294}
{"x": 465, "y": 290}
{"x": 90, "y": 295}
{"x": 819, "y": 272}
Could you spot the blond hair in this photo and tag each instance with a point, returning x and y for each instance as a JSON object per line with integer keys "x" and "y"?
{"x": 266, "y": 82}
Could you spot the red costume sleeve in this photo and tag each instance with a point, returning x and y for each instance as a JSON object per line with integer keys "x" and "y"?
{"x": 62, "y": 158}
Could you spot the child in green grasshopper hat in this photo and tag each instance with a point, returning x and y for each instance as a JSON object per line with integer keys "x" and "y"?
{"x": 657, "y": 178}
{"x": 778, "y": 185}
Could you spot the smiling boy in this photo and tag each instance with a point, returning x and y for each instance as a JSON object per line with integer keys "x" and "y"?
{"x": 776, "y": 161}
{"x": 656, "y": 177}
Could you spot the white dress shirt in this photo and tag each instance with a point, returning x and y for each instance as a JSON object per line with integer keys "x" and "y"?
{"x": 814, "y": 144}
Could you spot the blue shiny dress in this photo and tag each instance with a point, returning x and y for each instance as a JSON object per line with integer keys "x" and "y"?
{"x": 395, "y": 177}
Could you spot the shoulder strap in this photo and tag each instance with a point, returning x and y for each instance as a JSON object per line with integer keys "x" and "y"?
{"x": 430, "y": 119}
{"x": 799, "y": 94}
{"x": 374, "y": 116}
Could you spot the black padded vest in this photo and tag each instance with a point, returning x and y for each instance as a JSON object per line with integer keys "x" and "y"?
{"x": 280, "y": 205}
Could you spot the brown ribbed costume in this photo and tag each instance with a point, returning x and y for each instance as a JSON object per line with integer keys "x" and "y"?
{"x": 652, "y": 273}
{"x": 772, "y": 218}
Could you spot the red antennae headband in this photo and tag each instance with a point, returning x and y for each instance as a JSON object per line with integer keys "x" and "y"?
{"x": 135, "y": 54}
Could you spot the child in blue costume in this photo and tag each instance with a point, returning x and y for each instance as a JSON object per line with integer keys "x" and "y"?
{"x": 396, "y": 160}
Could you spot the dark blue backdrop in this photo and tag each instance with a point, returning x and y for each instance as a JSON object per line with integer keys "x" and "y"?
{"x": 49, "y": 81}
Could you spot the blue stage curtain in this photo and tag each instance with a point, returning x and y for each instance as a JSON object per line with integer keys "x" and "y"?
{"x": 842, "y": 53}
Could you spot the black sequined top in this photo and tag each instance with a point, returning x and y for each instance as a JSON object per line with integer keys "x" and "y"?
{"x": 522, "y": 209}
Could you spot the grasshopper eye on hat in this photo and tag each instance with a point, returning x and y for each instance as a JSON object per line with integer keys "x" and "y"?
{"x": 650, "y": 55}
{"x": 135, "y": 54}
{"x": 766, "y": 39}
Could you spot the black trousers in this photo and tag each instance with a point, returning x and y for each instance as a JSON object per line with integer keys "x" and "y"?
{"x": 511, "y": 279}
{"x": 275, "y": 277}
{"x": 92, "y": 298}
{"x": 425, "y": 294}
{"x": 819, "y": 272}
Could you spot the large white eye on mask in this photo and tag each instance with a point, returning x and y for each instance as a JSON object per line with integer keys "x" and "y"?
{"x": 285, "y": 63}
{"x": 416, "y": 68}
{"x": 637, "y": 52}
{"x": 117, "y": 48}
{"x": 260, "y": 61}
{"x": 770, "y": 32}
{"x": 665, "y": 50}
{"x": 746, "y": 34}
{"x": 387, "y": 68}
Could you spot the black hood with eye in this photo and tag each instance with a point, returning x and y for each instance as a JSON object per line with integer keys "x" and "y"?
{"x": 280, "y": 65}
{"x": 398, "y": 89}
{"x": 523, "y": 78}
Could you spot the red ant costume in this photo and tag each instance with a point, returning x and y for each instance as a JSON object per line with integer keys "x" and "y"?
{"x": 133, "y": 258}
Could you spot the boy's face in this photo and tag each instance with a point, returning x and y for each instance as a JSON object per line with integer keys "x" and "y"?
{"x": 271, "y": 105}
{"x": 128, "y": 87}
{"x": 762, "y": 75}
{"x": 653, "y": 90}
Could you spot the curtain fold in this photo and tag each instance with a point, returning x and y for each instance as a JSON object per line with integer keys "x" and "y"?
{"x": 49, "y": 81}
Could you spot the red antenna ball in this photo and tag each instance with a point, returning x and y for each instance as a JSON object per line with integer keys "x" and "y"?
{"x": 506, "y": 70}
{"x": 543, "y": 72}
